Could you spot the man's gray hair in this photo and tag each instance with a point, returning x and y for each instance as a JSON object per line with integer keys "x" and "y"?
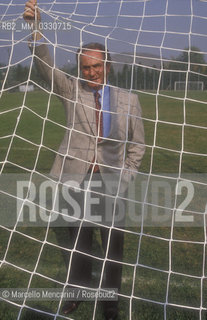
{"x": 93, "y": 46}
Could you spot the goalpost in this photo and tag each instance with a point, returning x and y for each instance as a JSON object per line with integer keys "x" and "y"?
{"x": 164, "y": 264}
{"x": 191, "y": 85}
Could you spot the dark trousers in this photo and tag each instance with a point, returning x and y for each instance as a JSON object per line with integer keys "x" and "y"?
{"x": 112, "y": 245}
{"x": 81, "y": 265}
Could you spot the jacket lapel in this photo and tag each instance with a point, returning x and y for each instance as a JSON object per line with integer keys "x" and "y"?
{"x": 86, "y": 99}
{"x": 119, "y": 114}
{"x": 113, "y": 110}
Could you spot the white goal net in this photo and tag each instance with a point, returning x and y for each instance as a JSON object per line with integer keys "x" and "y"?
{"x": 158, "y": 53}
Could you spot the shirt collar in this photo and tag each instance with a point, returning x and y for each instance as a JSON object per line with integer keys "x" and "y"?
{"x": 104, "y": 89}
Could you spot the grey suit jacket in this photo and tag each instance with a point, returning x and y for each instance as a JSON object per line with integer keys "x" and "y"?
{"x": 119, "y": 154}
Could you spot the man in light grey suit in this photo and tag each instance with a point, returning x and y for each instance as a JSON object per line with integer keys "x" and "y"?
{"x": 107, "y": 142}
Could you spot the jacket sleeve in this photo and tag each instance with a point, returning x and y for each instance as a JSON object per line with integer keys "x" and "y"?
{"x": 56, "y": 79}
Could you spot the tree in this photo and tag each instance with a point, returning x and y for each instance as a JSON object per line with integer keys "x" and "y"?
{"x": 192, "y": 60}
{"x": 20, "y": 73}
{"x": 193, "y": 56}
{"x": 112, "y": 77}
{"x": 125, "y": 76}
{"x": 2, "y": 73}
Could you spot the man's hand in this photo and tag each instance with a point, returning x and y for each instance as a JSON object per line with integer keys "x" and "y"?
{"x": 31, "y": 12}
{"x": 32, "y": 16}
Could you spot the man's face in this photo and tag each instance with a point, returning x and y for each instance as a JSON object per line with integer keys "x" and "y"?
{"x": 93, "y": 68}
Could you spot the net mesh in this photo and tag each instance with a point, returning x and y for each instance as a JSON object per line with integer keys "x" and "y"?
{"x": 153, "y": 45}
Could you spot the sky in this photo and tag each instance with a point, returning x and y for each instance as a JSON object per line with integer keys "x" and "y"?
{"x": 153, "y": 27}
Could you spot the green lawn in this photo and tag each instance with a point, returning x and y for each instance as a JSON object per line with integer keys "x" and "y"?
{"x": 176, "y": 135}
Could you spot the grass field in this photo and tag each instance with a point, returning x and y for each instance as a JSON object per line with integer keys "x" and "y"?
{"x": 176, "y": 135}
